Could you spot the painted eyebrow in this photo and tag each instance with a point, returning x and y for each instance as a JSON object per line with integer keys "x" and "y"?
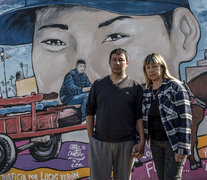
{"x": 60, "y": 26}
{"x": 108, "y": 22}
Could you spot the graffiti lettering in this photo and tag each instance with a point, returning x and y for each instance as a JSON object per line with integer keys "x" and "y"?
{"x": 205, "y": 152}
{"x": 150, "y": 166}
{"x": 12, "y": 176}
{"x": 49, "y": 176}
{"x": 147, "y": 154}
{"x": 76, "y": 163}
{"x": 43, "y": 176}
{"x": 76, "y": 155}
{"x": 147, "y": 144}
{"x": 69, "y": 176}
{"x": 206, "y": 167}
{"x": 33, "y": 177}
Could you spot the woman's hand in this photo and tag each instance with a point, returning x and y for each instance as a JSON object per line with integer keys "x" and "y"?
{"x": 179, "y": 157}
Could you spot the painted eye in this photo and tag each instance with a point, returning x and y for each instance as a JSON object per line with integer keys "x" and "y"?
{"x": 114, "y": 37}
{"x": 54, "y": 44}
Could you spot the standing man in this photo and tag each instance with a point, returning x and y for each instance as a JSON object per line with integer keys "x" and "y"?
{"x": 116, "y": 102}
{"x": 75, "y": 87}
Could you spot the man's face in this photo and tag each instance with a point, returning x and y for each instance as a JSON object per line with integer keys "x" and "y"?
{"x": 81, "y": 68}
{"x": 118, "y": 64}
{"x": 63, "y": 36}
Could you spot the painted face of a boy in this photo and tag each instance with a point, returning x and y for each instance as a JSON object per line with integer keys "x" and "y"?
{"x": 64, "y": 35}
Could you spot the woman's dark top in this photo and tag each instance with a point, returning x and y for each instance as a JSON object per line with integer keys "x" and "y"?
{"x": 156, "y": 128}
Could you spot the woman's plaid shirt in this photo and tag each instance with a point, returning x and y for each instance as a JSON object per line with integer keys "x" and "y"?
{"x": 175, "y": 112}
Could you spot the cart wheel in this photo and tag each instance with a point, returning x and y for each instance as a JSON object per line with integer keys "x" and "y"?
{"x": 48, "y": 150}
{"x": 7, "y": 153}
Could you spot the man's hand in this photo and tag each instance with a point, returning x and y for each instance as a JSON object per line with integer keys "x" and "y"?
{"x": 138, "y": 150}
{"x": 179, "y": 157}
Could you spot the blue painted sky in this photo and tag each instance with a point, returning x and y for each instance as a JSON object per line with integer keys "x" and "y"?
{"x": 199, "y": 9}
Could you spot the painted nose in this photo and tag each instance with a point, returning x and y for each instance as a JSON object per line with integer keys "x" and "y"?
{"x": 84, "y": 46}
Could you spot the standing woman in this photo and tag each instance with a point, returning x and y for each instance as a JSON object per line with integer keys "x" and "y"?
{"x": 167, "y": 118}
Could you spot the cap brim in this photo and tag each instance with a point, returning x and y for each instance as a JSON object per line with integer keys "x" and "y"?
{"x": 17, "y": 26}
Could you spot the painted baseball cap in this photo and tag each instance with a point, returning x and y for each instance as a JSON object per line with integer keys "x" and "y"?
{"x": 17, "y": 25}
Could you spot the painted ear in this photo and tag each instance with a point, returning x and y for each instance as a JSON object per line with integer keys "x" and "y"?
{"x": 185, "y": 32}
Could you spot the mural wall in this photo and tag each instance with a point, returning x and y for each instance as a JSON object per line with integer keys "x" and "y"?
{"x": 53, "y": 50}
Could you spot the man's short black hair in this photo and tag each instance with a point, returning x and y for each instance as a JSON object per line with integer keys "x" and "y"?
{"x": 80, "y": 62}
{"x": 119, "y": 51}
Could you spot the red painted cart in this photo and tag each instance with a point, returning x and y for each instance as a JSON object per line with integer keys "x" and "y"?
{"x": 42, "y": 128}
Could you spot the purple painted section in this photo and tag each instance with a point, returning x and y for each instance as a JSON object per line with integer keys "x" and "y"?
{"x": 147, "y": 171}
{"x": 74, "y": 155}
{"x": 20, "y": 143}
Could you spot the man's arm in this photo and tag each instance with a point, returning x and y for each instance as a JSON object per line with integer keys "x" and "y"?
{"x": 138, "y": 149}
{"x": 91, "y": 111}
{"x": 140, "y": 130}
{"x": 90, "y": 125}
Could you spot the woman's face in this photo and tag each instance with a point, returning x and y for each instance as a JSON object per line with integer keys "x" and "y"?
{"x": 154, "y": 72}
